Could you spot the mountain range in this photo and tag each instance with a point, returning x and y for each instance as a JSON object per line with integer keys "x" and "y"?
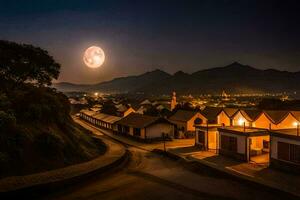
{"x": 233, "y": 78}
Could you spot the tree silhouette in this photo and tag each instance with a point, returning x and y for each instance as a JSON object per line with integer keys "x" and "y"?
{"x": 22, "y": 63}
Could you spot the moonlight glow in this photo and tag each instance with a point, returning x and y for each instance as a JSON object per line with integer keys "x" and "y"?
{"x": 94, "y": 57}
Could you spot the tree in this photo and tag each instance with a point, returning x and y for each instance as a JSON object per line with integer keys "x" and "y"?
{"x": 109, "y": 108}
{"x": 152, "y": 111}
{"x": 22, "y": 63}
{"x": 183, "y": 106}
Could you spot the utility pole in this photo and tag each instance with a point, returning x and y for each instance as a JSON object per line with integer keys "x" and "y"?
{"x": 206, "y": 139}
{"x": 164, "y": 139}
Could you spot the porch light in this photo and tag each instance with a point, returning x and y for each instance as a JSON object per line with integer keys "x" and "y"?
{"x": 297, "y": 125}
{"x": 241, "y": 122}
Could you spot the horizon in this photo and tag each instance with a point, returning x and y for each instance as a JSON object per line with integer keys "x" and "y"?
{"x": 170, "y": 35}
{"x": 141, "y": 73}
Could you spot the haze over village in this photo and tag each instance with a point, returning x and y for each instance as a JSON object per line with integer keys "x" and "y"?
{"x": 149, "y": 100}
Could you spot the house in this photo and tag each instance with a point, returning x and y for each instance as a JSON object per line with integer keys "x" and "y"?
{"x": 211, "y": 114}
{"x": 285, "y": 149}
{"x": 245, "y": 117}
{"x": 87, "y": 115}
{"x": 145, "y": 127}
{"x": 123, "y": 110}
{"x": 144, "y": 106}
{"x": 278, "y": 119}
{"x": 246, "y": 144}
{"x": 99, "y": 119}
{"x": 290, "y": 120}
{"x": 146, "y": 102}
{"x": 225, "y": 116}
{"x": 207, "y": 136}
{"x": 184, "y": 121}
{"x": 105, "y": 121}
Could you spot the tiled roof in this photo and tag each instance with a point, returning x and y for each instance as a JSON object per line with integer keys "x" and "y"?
{"x": 211, "y": 113}
{"x": 88, "y": 112}
{"x": 107, "y": 118}
{"x": 145, "y": 102}
{"x": 250, "y": 115}
{"x": 183, "y": 115}
{"x": 276, "y": 116}
{"x": 230, "y": 111}
{"x": 140, "y": 121}
{"x": 122, "y": 108}
{"x": 296, "y": 114}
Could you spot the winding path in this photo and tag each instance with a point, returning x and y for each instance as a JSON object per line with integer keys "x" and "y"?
{"x": 150, "y": 176}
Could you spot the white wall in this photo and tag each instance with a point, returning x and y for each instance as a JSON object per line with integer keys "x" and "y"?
{"x": 156, "y": 130}
{"x": 241, "y": 141}
{"x": 275, "y": 140}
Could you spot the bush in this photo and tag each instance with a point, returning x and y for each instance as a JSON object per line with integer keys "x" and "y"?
{"x": 50, "y": 145}
{"x": 40, "y": 104}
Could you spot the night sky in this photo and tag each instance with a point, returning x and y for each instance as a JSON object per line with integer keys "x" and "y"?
{"x": 139, "y": 36}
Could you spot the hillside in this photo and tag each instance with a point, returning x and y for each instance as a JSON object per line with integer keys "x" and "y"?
{"x": 117, "y": 85}
{"x": 37, "y": 132}
{"x": 65, "y": 87}
{"x": 235, "y": 78}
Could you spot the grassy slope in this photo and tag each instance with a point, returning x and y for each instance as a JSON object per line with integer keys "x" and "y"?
{"x": 41, "y": 147}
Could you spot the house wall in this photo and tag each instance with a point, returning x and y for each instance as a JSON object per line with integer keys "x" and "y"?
{"x": 288, "y": 122}
{"x": 131, "y": 131}
{"x": 257, "y": 142}
{"x": 275, "y": 140}
{"x": 236, "y": 120}
{"x": 287, "y": 166}
{"x": 196, "y": 136}
{"x": 143, "y": 133}
{"x": 222, "y": 118}
{"x": 203, "y": 143}
{"x": 190, "y": 124}
{"x": 262, "y": 122}
{"x": 180, "y": 125}
{"x": 241, "y": 142}
{"x": 156, "y": 130}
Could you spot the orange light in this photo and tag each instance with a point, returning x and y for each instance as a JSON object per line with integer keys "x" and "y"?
{"x": 295, "y": 123}
{"x": 241, "y": 122}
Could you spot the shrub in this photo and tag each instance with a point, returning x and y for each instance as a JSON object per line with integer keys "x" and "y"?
{"x": 50, "y": 145}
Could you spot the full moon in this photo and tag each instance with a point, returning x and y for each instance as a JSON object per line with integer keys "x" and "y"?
{"x": 94, "y": 57}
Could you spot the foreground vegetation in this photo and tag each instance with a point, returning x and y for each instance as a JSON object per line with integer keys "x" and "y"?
{"x": 36, "y": 130}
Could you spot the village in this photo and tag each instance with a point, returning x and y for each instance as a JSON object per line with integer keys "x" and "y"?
{"x": 268, "y": 138}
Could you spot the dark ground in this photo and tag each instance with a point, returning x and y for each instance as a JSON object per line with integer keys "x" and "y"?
{"x": 151, "y": 176}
